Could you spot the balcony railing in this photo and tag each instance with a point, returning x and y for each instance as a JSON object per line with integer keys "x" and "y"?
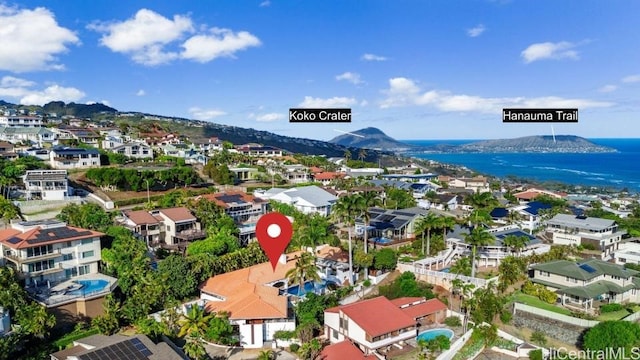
{"x": 21, "y": 260}
{"x": 190, "y": 235}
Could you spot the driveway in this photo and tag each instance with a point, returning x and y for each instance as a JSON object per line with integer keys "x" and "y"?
{"x": 217, "y": 352}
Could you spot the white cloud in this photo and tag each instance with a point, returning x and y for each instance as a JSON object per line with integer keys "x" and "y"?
{"x": 334, "y": 102}
{"x": 144, "y": 36}
{"x": 141, "y": 92}
{"x": 353, "y": 78}
{"x": 219, "y": 43}
{"x": 405, "y": 92}
{"x": 631, "y": 79}
{"x": 52, "y": 93}
{"x": 608, "y": 88}
{"x": 31, "y": 40}
{"x": 152, "y": 39}
{"x": 10, "y": 81}
{"x": 476, "y": 31}
{"x": 550, "y": 51}
{"x": 372, "y": 57}
{"x": 269, "y": 117}
{"x": 265, "y": 3}
{"x": 205, "y": 114}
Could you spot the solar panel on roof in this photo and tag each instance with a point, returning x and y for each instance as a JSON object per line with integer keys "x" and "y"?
{"x": 403, "y": 213}
{"x": 385, "y": 218}
{"x": 587, "y": 268}
{"x": 14, "y": 240}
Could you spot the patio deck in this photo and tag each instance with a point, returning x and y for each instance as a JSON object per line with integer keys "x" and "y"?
{"x": 56, "y": 294}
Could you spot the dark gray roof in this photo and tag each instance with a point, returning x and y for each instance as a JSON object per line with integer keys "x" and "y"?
{"x": 74, "y": 151}
{"x": 384, "y": 219}
{"x": 460, "y": 231}
{"x": 119, "y": 347}
{"x": 584, "y": 270}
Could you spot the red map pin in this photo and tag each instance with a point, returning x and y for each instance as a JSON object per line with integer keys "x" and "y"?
{"x": 274, "y": 232}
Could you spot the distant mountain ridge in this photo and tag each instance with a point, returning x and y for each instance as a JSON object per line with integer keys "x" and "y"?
{"x": 371, "y": 138}
{"x": 535, "y": 144}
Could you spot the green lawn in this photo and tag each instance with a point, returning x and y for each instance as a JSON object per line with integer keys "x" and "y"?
{"x": 615, "y": 315}
{"x": 535, "y": 302}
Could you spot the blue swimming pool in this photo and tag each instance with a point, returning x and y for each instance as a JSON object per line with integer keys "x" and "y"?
{"x": 309, "y": 286}
{"x": 89, "y": 287}
{"x": 434, "y": 333}
{"x": 381, "y": 240}
{"x": 445, "y": 270}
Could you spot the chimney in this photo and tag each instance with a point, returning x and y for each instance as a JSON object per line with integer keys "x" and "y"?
{"x": 283, "y": 259}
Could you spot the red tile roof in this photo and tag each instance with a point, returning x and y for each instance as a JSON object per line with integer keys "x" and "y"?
{"x": 140, "y": 217}
{"x": 178, "y": 214}
{"x": 17, "y": 239}
{"x": 315, "y": 169}
{"x": 377, "y": 316}
{"x": 399, "y": 302}
{"x": 425, "y": 308}
{"x": 328, "y": 176}
{"x": 344, "y": 350}
{"x": 245, "y": 293}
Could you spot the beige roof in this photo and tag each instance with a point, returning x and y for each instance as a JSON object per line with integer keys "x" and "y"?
{"x": 332, "y": 253}
{"x": 178, "y": 214}
{"x": 245, "y": 293}
{"x": 140, "y": 217}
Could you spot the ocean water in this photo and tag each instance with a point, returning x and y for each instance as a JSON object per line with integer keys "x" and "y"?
{"x": 604, "y": 170}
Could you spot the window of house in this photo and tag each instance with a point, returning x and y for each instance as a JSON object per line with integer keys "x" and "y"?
{"x": 544, "y": 273}
{"x": 87, "y": 241}
{"x": 87, "y": 254}
{"x": 570, "y": 279}
{"x": 84, "y": 269}
{"x": 335, "y": 334}
{"x": 67, "y": 257}
{"x": 622, "y": 260}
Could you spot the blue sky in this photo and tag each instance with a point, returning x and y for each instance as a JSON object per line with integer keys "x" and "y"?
{"x": 415, "y": 69}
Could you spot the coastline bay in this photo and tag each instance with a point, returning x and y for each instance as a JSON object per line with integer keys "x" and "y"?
{"x": 610, "y": 170}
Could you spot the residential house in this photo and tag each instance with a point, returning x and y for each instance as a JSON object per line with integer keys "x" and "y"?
{"x": 417, "y": 189}
{"x": 56, "y": 260}
{"x": 135, "y": 150}
{"x": 395, "y": 322}
{"x": 33, "y": 135}
{"x": 412, "y": 177}
{"x": 82, "y": 135}
{"x": 328, "y": 177}
{"x": 445, "y": 202}
{"x": 180, "y": 226}
{"x": 307, "y": 199}
{"x": 74, "y": 158}
{"x": 530, "y": 214}
{"x": 602, "y": 234}
{"x": 208, "y": 145}
{"x": 253, "y": 299}
{"x": 333, "y": 264}
{"x": 42, "y": 154}
{"x": 244, "y": 209}
{"x": 581, "y": 285}
{"x": 532, "y": 193}
{"x": 388, "y": 225}
{"x": 244, "y": 173}
{"x": 46, "y": 184}
{"x": 491, "y": 255}
{"x": 627, "y": 253}
{"x": 22, "y": 121}
{"x": 344, "y": 350}
{"x": 363, "y": 172}
{"x": 476, "y": 184}
{"x": 119, "y": 347}
{"x": 295, "y": 174}
{"x": 6, "y": 150}
{"x": 143, "y": 225}
{"x": 257, "y": 150}
{"x": 111, "y": 141}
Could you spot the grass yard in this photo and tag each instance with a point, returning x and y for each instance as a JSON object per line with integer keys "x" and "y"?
{"x": 535, "y": 302}
{"x": 615, "y": 315}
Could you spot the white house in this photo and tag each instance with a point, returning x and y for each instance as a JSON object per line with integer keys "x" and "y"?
{"x": 602, "y": 234}
{"x": 136, "y": 150}
{"x": 58, "y": 263}
{"x": 529, "y": 214}
{"x": 21, "y": 121}
{"x": 307, "y": 199}
{"x": 33, "y": 135}
{"x": 74, "y": 158}
{"x": 627, "y": 253}
{"x": 376, "y": 325}
{"x": 253, "y": 299}
{"x": 46, "y": 184}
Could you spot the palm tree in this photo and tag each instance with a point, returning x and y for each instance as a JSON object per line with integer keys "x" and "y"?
{"x": 315, "y": 232}
{"x": 515, "y": 243}
{"x": 367, "y": 200}
{"x": 347, "y": 209}
{"x": 304, "y": 270}
{"x": 194, "y": 347}
{"x": 347, "y": 156}
{"x": 362, "y": 154}
{"x": 427, "y": 223}
{"x": 478, "y": 237}
{"x": 448, "y": 222}
{"x": 462, "y": 266}
{"x": 195, "y": 321}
